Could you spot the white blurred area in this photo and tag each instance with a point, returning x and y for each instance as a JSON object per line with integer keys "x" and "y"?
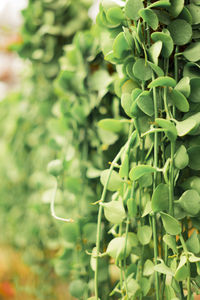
{"x": 10, "y": 64}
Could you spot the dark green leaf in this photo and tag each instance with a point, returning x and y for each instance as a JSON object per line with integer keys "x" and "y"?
{"x": 162, "y": 81}
{"x": 179, "y": 100}
{"x": 150, "y": 17}
{"x": 194, "y": 157}
{"x": 181, "y": 31}
{"x": 138, "y": 171}
{"x": 190, "y": 202}
{"x": 141, "y": 70}
{"x": 192, "y": 52}
{"x": 181, "y": 158}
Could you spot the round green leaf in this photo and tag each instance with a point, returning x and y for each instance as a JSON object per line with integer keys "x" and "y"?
{"x": 154, "y": 51}
{"x": 110, "y": 125}
{"x": 162, "y": 81}
{"x": 192, "y": 52}
{"x": 163, "y": 269}
{"x": 116, "y": 248}
{"x": 195, "y": 12}
{"x": 55, "y": 167}
{"x": 120, "y": 46}
{"x": 183, "y": 86}
{"x": 115, "y": 15}
{"x": 171, "y": 225}
{"x": 160, "y": 198}
{"x": 150, "y": 17}
{"x": 144, "y": 234}
{"x": 193, "y": 244}
{"x": 184, "y": 127}
{"x": 179, "y": 100}
{"x": 167, "y": 41}
{"x": 161, "y": 3}
{"x": 132, "y": 207}
{"x": 114, "y": 211}
{"x": 141, "y": 70}
{"x": 148, "y": 268}
{"x": 77, "y": 288}
{"x": 114, "y": 182}
{"x": 171, "y": 242}
{"x": 186, "y": 15}
{"x": 194, "y": 157}
{"x": 126, "y": 103}
{"x": 181, "y": 158}
{"x": 145, "y": 103}
{"x": 134, "y": 107}
{"x": 138, "y": 171}
{"x": 195, "y": 90}
{"x": 170, "y": 128}
{"x": 190, "y": 202}
{"x": 182, "y": 271}
{"x": 157, "y": 70}
{"x": 129, "y": 86}
{"x": 191, "y": 183}
{"x": 176, "y": 7}
{"x": 132, "y": 8}
{"x": 181, "y": 31}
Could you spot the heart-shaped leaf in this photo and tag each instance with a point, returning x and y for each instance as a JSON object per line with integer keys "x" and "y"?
{"x": 171, "y": 242}
{"x": 181, "y": 31}
{"x": 181, "y": 158}
{"x": 162, "y": 81}
{"x": 170, "y": 128}
{"x": 190, "y": 202}
{"x": 138, "y": 171}
{"x": 182, "y": 271}
{"x": 114, "y": 211}
{"x": 154, "y": 51}
{"x": 160, "y": 198}
{"x": 145, "y": 103}
{"x": 192, "y": 52}
{"x": 193, "y": 244}
{"x": 163, "y": 269}
{"x": 171, "y": 225}
{"x": 183, "y": 86}
{"x": 184, "y": 127}
{"x": 110, "y": 125}
{"x": 132, "y": 8}
{"x": 114, "y": 182}
{"x": 120, "y": 46}
{"x": 179, "y": 100}
{"x": 144, "y": 234}
{"x": 116, "y": 248}
{"x": 141, "y": 70}
{"x": 166, "y": 40}
{"x": 150, "y": 17}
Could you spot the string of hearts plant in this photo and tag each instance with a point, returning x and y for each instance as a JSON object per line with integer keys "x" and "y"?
{"x": 154, "y": 211}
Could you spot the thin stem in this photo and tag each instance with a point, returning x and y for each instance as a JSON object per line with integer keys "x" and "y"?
{"x": 188, "y": 267}
{"x": 168, "y": 113}
{"x": 175, "y": 74}
{"x": 171, "y": 181}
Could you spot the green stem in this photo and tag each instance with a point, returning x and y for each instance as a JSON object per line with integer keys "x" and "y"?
{"x": 171, "y": 181}
{"x": 188, "y": 267}
{"x": 168, "y": 113}
{"x": 154, "y": 186}
{"x": 175, "y": 74}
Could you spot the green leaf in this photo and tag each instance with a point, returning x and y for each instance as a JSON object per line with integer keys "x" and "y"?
{"x": 114, "y": 211}
{"x": 124, "y": 168}
{"x": 161, "y": 3}
{"x": 110, "y": 125}
{"x": 114, "y": 182}
{"x": 184, "y": 127}
{"x": 138, "y": 171}
{"x": 193, "y": 243}
{"x": 144, "y": 234}
{"x": 191, "y": 183}
{"x": 191, "y": 70}
{"x": 150, "y": 17}
{"x": 132, "y": 8}
{"x": 182, "y": 271}
{"x": 77, "y": 288}
{"x": 181, "y": 158}
{"x": 132, "y": 238}
{"x": 171, "y": 225}
{"x": 154, "y": 51}
{"x": 162, "y": 81}
{"x": 190, "y": 202}
{"x": 183, "y": 86}
{"x": 181, "y": 32}
{"x": 170, "y": 128}
{"x": 167, "y": 42}
{"x": 132, "y": 287}
{"x": 195, "y": 90}
{"x": 171, "y": 242}
{"x": 176, "y": 7}
{"x": 134, "y": 107}
{"x": 145, "y": 103}
{"x": 147, "y": 209}
{"x": 141, "y": 70}
{"x": 192, "y": 52}
{"x": 126, "y": 103}
{"x": 195, "y": 12}
{"x": 157, "y": 70}
{"x": 129, "y": 86}
{"x": 100, "y": 80}
{"x": 163, "y": 269}
{"x": 132, "y": 207}
{"x": 160, "y": 198}
{"x": 55, "y": 167}
{"x": 116, "y": 248}
{"x": 120, "y": 46}
{"x": 194, "y": 157}
{"x": 115, "y": 15}
{"x": 179, "y": 100}
{"x": 148, "y": 268}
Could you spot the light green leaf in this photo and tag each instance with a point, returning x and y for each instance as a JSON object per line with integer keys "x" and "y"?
{"x": 182, "y": 271}
{"x": 132, "y": 8}
{"x": 120, "y": 46}
{"x": 132, "y": 207}
{"x": 141, "y": 70}
{"x": 161, "y": 3}
{"x": 171, "y": 131}
{"x": 190, "y": 202}
{"x": 162, "y": 81}
{"x": 115, "y": 15}
{"x": 148, "y": 268}
{"x": 176, "y": 7}
{"x": 114, "y": 211}
{"x": 124, "y": 168}
{"x": 181, "y": 158}
{"x": 192, "y": 52}
{"x": 138, "y": 171}
{"x": 114, "y": 182}
{"x": 150, "y": 17}
{"x": 183, "y": 86}
{"x": 154, "y": 51}
{"x": 181, "y": 31}
{"x": 179, "y": 100}
{"x": 126, "y": 103}
{"x": 163, "y": 269}
{"x": 195, "y": 12}
{"x": 171, "y": 225}
{"x": 160, "y": 198}
{"x": 166, "y": 40}
{"x": 171, "y": 242}
{"x": 145, "y": 103}
{"x": 144, "y": 234}
{"x": 116, "y": 248}
{"x": 157, "y": 70}
{"x": 184, "y": 127}
{"x": 193, "y": 243}
{"x": 110, "y": 125}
